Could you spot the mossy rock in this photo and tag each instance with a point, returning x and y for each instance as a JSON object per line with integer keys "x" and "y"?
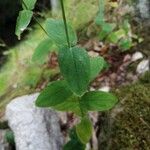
{"x": 127, "y": 126}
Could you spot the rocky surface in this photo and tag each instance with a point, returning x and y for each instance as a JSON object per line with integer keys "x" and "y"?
{"x": 136, "y": 56}
{"x": 34, "y": 128}
{"x": 144, "y": 8}
{"x": 3, "y": 144}
{"x": 143, "y": 66}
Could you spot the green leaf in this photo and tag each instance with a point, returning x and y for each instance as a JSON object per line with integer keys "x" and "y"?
{"x": 75, "y": 67}
{"x": 97, "y": 64}
{"x": 107, "y": 28}
{"x": 70, "y": 105}
{"x": 23, "y": 21}
{"x": 100, "y": 18}
{"x": 42, "y": 51}
{"x": 55, "y": 93}
{"x": 74, "y": 143}
{"x": 28, "y": 4}
{"x": 98, "y": 101}
{"x": 126, "y": 26}
{"x": 56, "y": 31}
{"x": 125, "y": 44}
{"x": 84, "y": 130}
{"x": 114, "y": 37}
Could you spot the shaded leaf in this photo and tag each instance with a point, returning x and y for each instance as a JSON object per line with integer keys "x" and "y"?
{"x": 55, "y": 93}
{"x": 70, "y": 105}
{"x": 74, "y": 143}
{"x": 23, "y": 21}
{"x": 28, "y": 4}
{"x": 56, "y": 31}
{"x": 84, "y": 130}
{"x": 42, "y": 51}
{"x": 97, "y": 64}
{"x": 98, "y": 101}
{"x": 75, "y": 67}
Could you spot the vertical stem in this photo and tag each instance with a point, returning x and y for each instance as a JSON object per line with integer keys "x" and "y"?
{"x": 35, "y": 18}
{"x": 65, "y": 22}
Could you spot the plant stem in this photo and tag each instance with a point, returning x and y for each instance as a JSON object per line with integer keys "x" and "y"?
{"x": 35, "y": 19}
{"x": 65, "y": 22}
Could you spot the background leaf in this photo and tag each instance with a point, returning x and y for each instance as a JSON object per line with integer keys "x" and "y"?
{"x": 98, "y": 101}
{"x": 56, "y": 31}
{"x": 97, "y": 64}
{"x": 100, "y": 18}
{"x": 75, "y": 67}
{"x": 106, "y": 29}
{"x": 42, "y": 50}
{"x": 84, "y": 130}
{"x": 29, "y": 4}
{"x": 125, "y": 44}
{"x": 55, "y": 93}
{"x": 23, "y": 21}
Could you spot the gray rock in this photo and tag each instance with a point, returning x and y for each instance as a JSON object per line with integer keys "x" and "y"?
{"x": 3, "y": 144}
{"x": 144, "y": 8}
{"x": 105, "y": 89}
{"x": 143, "y": 66}
{"x": 136, "y": 56}
{"x": 54, "y": 5}
{"x": 34, "y": 128}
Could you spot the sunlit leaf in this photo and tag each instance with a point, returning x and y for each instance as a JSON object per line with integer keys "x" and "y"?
{"x": 107, "y": 28}
{"x": 55, "y": 93}
{"x": 42, "y": 51}
{"x": 56, "y": 31}
{"x": 98, "y": 101}
{"x": 23, "y": 21}
{"x": 28, "y": 4}
{"x": 75, "y": 67}
{"x": 97, "y": 64}
{"x": 84, "y": 130}
{"x": 125, "y": 44}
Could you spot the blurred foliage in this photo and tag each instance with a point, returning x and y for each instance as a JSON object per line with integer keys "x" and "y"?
{"x": 9, "y": 136}
{"x": 17, "y": 76}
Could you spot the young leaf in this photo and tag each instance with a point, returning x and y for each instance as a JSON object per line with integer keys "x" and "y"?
{"x": 125, "y": 44}
{"x": 106, "y": 29}
{"x": 42, "y": 50}
{"x": 84, "y": 130}
{"x": 75, "y": 67}
{"x": 23, "y": 21}
{"x": 55, "y": 93}
{"x": 28, "y": 4}
{"x": 56, "y": 31}
{"x": 97, "y": 64}
{"x": 114, "y": 37}
{"x": 98, "y": 101}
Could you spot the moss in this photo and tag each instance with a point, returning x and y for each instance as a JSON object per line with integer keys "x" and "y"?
{"x": 132, "y": 125}
{"x": 145, "y": 78}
